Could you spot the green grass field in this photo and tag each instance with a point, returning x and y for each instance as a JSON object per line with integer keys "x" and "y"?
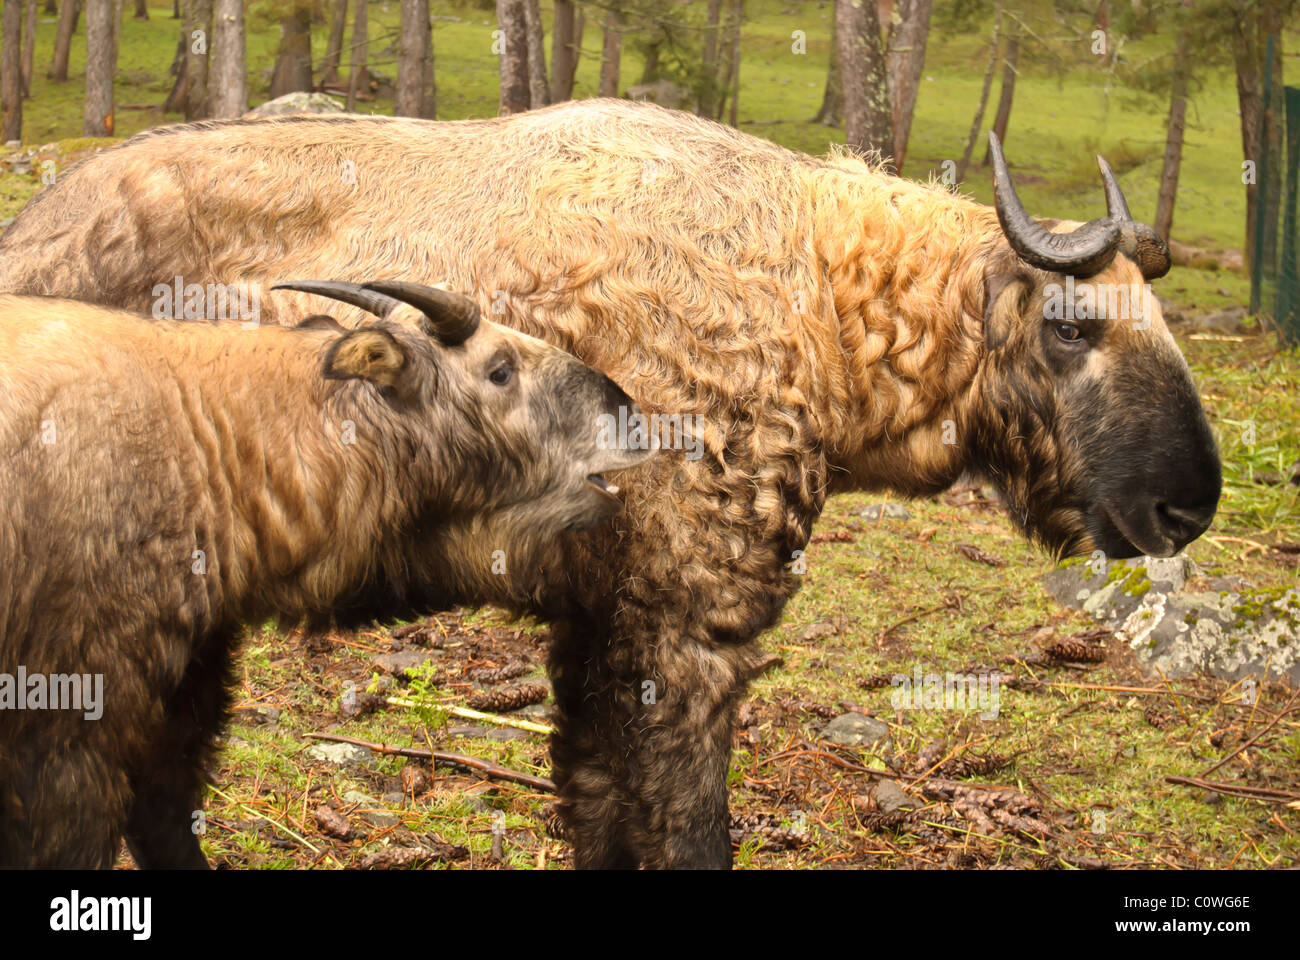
{"x": 877, "y": 598}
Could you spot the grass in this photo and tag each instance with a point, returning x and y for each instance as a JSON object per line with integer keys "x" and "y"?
{"x": 1092, "y": 757}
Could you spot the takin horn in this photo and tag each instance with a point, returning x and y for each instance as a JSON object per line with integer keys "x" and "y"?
{"x": 452, "y": 318}
{"x": 1086, "y": 249}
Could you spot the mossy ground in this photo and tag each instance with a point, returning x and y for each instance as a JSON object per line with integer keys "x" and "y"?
{"x": 889, "y": 596}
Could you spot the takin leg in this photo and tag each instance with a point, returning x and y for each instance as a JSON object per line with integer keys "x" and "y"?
{"x": 643, "y": 744}
{"x": 62, "y": 808}
{"x": 161, "y": 831}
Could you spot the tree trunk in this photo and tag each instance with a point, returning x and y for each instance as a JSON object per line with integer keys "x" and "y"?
{"x": 359, "y": 68}
{"x": 1003, "y": 117}
{"x": 293, "y": 66}
{"x": 868, "y": 114}
{"x": 198, "y": 45}
{"x": 1247, "y": 58}
{"x": 539, "y": 95}
{"x": 829, "y": 113}
{"x": 227, "y": 71}
{"x": 51, "y": 8}
{"x": 334, "y": 46}
{"x": 566, "y": 46}
{"x": 906, "y": 61}
{"x": 101, "y": 65}
{"x": 29, "y": 46}
{"x": 964, "y": 163}
{"x": 1272, "y": 132}
{"x": 1173, "y": 139}
{"x": 410, "y": 58}
{"x": 428, "y": 86}
{"x": 611, "y": 53}
{"x": 513, "y": 58}
{"x": 63, "y": 40}
{"x": 732, "y": 88}
{"x": 11, "y": 73}
{"x": 142, "y": 9}
{"x": 178, "y": 97}
{"x": 709, "y": 62}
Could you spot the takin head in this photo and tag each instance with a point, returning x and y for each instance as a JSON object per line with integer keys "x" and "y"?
{"x": 1087, "y": 418}
{"x": 517, "y": 421}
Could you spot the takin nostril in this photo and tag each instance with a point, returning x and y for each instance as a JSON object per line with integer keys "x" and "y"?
{"x": 1185, "y": 520}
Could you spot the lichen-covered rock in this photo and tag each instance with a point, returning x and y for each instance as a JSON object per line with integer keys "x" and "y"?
{"x": 1226, "y": 635}
{"x": 1223, "y": 626}
{"x": 298, "y": 102}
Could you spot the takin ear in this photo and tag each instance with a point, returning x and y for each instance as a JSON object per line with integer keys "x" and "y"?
{"x": 998, "y": 320}
{"x": 367, "y": 354}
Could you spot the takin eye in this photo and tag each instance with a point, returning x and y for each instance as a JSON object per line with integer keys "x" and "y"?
{"x": 1068, "y": 333}
{"x": 502, "y": 374}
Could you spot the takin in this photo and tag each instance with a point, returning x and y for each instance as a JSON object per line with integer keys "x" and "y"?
{"x": 167, "y": 483}
{"x": 819, "y": 324}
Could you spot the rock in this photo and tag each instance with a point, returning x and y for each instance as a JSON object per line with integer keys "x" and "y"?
{"x": 341, "y": 753}
{"x": 1230, "y": 320}
{"x": 298, "y": 102}
{"x": 401, "y": 664}
{"x": 664, "y": 92}
{"x": 264, "y": 714}
{"x": 371, "y": 809}
{"x": 394, "y": 798}
{"x": 855, "y": 730}
{"x": 13, "y": 144}
{"x": 1180, "y": 623}
{"x": 1113, "y": 591}
{"x": 541, "y": 712}
{"x": 6, "y": 223}
{"x": 489, "y": 733}
{"x": 818, "y": 631}
{"x": 1227, "y": 635}
{"x": 889, "y": 797}
{"x": 893, "y": 511}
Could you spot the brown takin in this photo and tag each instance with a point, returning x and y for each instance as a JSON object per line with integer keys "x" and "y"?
{"x": 166, "y": 483}
{"x": 817, "y": 323}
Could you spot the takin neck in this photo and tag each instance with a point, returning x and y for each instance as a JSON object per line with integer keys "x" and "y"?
{"x": 904, "y": 263}
{"x": 315, "y": 477}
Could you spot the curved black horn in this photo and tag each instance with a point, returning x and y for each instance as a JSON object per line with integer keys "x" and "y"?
{"x": 1138, "y": 240}
{"x": 353, "y": 293}
{"x": 453, "y": 316}
{"x": 1116, "y": 205}
{"x": 1082, "y": 252}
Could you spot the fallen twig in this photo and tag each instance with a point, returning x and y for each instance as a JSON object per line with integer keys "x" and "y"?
{"x": 1266, "y": 794}
{"x": 466, "y": 713}
{"x": 486, "y": 767}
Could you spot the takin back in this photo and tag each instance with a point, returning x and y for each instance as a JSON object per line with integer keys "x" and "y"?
{"x": 167, "y": 483}
{"x": 824, "y": 325}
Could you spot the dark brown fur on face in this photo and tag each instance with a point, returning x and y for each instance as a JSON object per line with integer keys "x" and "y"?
{"x": 826, "y": 322}
{"x": 167, "y": 483}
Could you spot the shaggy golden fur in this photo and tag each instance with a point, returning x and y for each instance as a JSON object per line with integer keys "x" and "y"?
{"x": 824, "y": 320}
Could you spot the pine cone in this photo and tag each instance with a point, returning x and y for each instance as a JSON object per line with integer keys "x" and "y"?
{"x": 1076, "y": 650}
{"x": 508, "y": 671}
{"x": 973, "y": 765}
{"x": 1157, "y": 719}
{"x": 875, "y": 681}
{"x": 510, "y": 698}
